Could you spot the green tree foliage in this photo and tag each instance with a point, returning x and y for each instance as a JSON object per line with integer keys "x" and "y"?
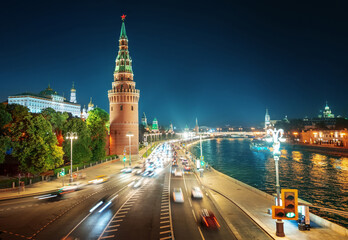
{"x": 57, "y": 119}
{"x": 81, "y": 146}
{"x": 96, "y": 123}
{"x": 33, "y": 142}
{"x": 5, "y": 141}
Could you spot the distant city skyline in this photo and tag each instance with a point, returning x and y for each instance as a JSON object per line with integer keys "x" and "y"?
{"x": 223, "y": 66}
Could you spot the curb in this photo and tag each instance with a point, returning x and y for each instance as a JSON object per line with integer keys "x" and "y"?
{"x": 53, "y": 189}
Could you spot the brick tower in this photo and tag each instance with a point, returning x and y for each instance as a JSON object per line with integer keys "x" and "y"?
{"x": 123, "y": 99}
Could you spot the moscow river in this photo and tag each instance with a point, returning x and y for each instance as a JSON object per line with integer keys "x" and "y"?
{"x": 321, "y": 179}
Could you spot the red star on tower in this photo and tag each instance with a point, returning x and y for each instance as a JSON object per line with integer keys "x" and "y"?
{"x": 123, "y": 17}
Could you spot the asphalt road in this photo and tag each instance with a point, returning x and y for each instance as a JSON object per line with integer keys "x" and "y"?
{"x": 146, "y": 212}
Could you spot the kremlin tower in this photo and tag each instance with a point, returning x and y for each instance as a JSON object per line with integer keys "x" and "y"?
{"x": 123, "y": 99}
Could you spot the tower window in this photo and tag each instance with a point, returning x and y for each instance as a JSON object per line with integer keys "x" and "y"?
{"x": 121, "y": 108}
{"x": 132, "y": 108}
{"x": 112, "y": 108}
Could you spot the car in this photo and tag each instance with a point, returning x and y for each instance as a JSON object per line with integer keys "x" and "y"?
{"x": 178, "y": 173}
{"x": 209, "y": 220}
{"x": 138, "y": 182}
{"x": 187, "y": 168}
{"x": 196, "y": 192}
{"x": 126, "y": 170}
{"x": 178, "y": 196}
{"x": 99, "y": 179}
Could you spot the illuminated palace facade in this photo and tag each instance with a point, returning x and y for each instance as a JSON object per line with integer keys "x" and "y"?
{"x": 123, "y": 99}
{"x": 47, "y": 98}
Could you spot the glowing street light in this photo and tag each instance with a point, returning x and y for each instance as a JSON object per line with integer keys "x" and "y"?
{"x": 72, "y": 136}
{"x": 276, "y": 138}
{"x": 130, "y": 135}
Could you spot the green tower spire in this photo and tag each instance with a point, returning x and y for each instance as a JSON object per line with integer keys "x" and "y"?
{"x": 123, "y": 31}
{"x": 123, "y": 60}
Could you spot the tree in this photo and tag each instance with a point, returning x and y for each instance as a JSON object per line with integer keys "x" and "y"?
{"x": 34, "y": 144}
{"x": 81, "y": 147}
{"x": 5, "y": 141}
{"x": 96, "y": 123}
{"x": 57, "y": 120}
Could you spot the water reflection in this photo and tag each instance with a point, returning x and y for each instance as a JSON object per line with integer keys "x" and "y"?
{"x": 321, "y": 179}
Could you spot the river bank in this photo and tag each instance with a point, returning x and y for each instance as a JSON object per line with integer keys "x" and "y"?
{"x": 320, "y": 178}
{"x": 335, "y": 151}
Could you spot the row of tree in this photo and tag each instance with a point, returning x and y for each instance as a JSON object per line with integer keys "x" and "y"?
{"x": 35, "y": 142}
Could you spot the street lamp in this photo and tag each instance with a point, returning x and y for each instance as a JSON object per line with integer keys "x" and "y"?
{"x": 130, "y": 135}
{"x": 276, "y": 138}
{"x": 72, "y": 136}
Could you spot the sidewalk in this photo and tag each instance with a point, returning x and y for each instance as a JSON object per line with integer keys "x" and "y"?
{"x": 255, "y": 203}
{"x": 105, "y": 168}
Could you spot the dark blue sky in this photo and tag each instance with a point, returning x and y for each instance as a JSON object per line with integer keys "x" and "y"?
{"x": 221, "y": 61}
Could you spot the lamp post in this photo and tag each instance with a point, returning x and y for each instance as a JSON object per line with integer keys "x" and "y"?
{"x": 276, "y": 137}
{"x": 145, "y": 143}
{"x": 72, "y": 136}
{"x": 130, "y": 135}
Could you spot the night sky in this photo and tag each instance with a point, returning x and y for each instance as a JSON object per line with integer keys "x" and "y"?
{"x": 222, "y": 62}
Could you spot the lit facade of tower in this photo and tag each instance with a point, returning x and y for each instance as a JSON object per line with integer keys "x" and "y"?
{"x": 267, "y": 120}
{"x": 73, "y": 94}
{"x": 123, "y": 100}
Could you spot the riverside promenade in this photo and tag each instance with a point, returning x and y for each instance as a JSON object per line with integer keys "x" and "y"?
{"x": 233, "y": 197}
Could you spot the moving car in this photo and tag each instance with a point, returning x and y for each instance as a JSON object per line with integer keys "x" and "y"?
{"x": 209, "y": 220}
{"x": 196, "y": 192}
{"x": 126, "y": 170}
{"x": 177, "y": 195}
{"x": 178, "y": 173}
{"x": 99, "y": 179}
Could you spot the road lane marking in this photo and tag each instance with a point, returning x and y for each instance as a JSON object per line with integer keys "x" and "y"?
{"x": 167, "y": 226}
{"x": 125, "y": 208}
{"x": 165, "y": 232}
{"x": 165, "y": 221}
{"x": 164, "y": 238}
{"x": 194, "y": 215}
{"x": 189, "y": 201}
{"x": 117, "y": 225}
{"x": 121, "y": 216}
{"x": 118, "y": 220}
{"x": 200, "y": 231}
{"x": 125, "y": 212}
{"x": 167, "y": 213}
{"x": 112, "y": 230}
{"x": 77, "y": 226}
{"x": 111, "y": 236}
{"x": 164, "y": 217}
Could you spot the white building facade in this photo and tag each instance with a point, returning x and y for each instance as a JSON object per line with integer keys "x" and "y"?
{"x": 46, "y": 99}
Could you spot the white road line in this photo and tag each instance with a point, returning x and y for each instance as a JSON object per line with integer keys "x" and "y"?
{"x": 167, "y": 226}
{"x": 117, "y": 225}
{"x": 167, "y": 213}
{"x": 119, "y": 220}
{"x": 189, "y": 201}
{"x": 200, "y": 231}
{"x": 76, "y": 226}
{"x": 112, "y": 230}
{"x": 194, "y": 215}
{"x": 111, "y": 236}
{"x": 121, "y": 216}
{"x": 125, "y": 208}
{"x": 165, "y": 232}
{"x": 164, "y": 238}
{"x": 164, "y": 221}
{"x": 166, "y": 217}
{"x": 125, "y": 212}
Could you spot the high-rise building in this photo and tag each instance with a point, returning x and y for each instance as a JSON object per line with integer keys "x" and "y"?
{"x": 267, "y": 120}
{"x": 197, "y": 127}
{"x": 123, "y": 99}
{"x": 144, "y": 120}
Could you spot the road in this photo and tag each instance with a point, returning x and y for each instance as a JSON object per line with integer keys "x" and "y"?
{"x": 144, "y": 212}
